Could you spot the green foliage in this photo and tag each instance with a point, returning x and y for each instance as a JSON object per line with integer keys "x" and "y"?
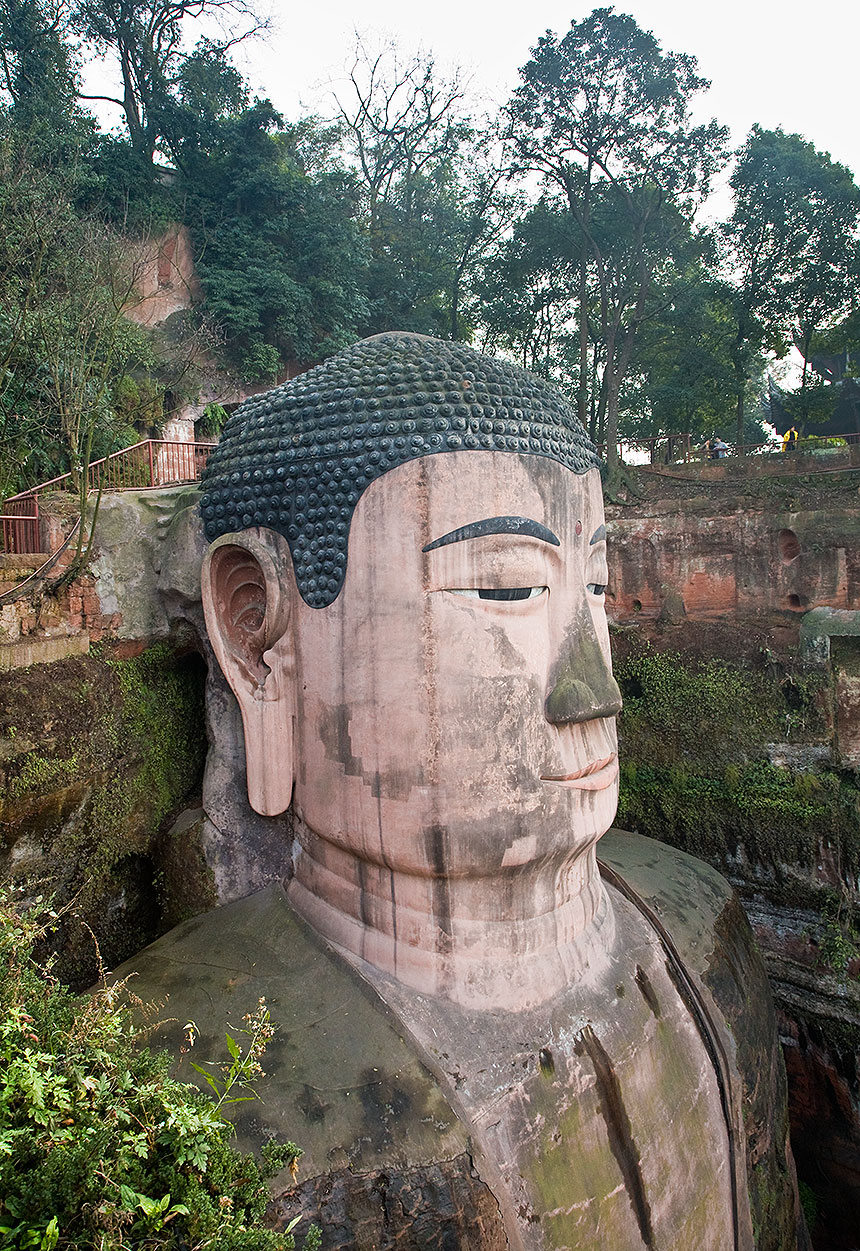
{"x": 165, "y": 88}
{"x": 604, "y": 115}
{"x": 39, "y": 773}
{"x": 428, "y": 194}
{"x": 792, "y": 244}
{"x": 278, "y": 252}
{"x": 714, "y": 711}
{"x": 527, "y": 292}
{"x": 695, "y": 774}
{"x": 398, "y": 214}
{"x": 809, "y": 1203}
{"x": 130, "y": 751}
{"x": 211, "y": 422}
{"x": 99, "y": 1147}
{"x": 68, "y": 355}
{"x": 681, "y": 376}
{"x": 840, "y": 940}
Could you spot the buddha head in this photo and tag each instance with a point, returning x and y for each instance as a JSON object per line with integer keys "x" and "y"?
{"x": 405, "y": 592}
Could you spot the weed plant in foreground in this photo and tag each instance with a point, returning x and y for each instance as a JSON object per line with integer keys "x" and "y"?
{"x": 100, "y": 1148}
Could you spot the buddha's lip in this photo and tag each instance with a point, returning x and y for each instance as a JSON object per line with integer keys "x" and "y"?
{"x": 594, "y": 777}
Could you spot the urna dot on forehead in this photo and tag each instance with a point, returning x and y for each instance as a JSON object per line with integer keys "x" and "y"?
{"x": 297, "y": 459}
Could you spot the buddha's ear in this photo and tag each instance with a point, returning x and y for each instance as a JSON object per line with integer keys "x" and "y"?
{"x": 246, "y": 601}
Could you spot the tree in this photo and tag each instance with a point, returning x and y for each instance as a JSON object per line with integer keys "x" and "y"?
{"x": 528, "y": 293}
{"x": 36, "y": 70}
{"x": 400, "y": 120}
{"x": 792, "y": 242}
{"x": 66, "y": 345}
{"x": 277, "y": 250}
{"x": 430, "y": 189}
{"x": 147, "y": 41}
{"x": 605, "y": 109}
{"x": 681, "y": 377}
{"x": 471, "y": 217}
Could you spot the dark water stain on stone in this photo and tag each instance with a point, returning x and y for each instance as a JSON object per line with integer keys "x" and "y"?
{"x": 310, "y": 1104}
{"x": 389, "y": 1105}
{"x": 648, "y": 993}
{"x": 436, "y": 838}
{"x": 334, "y": 731}
{"x": 620, "y": 1132}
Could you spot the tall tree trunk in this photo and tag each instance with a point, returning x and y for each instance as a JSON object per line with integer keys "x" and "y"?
{"x": 611, "y": 392}
{"x": 582, "y": 389}
{"x": 455, "y": 307}
{"x": 596, "y": 413}
{"x": 804, "y": 379}
{"x": 740, "y": 387}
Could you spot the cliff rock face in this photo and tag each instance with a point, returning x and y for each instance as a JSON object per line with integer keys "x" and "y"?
{"x": 736, "y": 609}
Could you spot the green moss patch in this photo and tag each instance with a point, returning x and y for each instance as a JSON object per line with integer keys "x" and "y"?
{"x": 99, "y": 755}
{"x": 696, "y": 772}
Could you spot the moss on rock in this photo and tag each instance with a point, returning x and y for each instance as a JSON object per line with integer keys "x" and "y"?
{"x": 701, "y": 745}
{"x": 99, "y": 753}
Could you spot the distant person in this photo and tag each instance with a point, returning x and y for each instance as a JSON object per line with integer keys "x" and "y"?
{"x": 789, "y": 439}
{"x": 716, "y": 448}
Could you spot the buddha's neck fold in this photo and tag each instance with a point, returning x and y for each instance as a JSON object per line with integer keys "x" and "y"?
{"x": 507, "y": 942}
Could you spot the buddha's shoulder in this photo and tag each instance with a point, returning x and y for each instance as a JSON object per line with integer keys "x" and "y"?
{"x": 695, "y": 909}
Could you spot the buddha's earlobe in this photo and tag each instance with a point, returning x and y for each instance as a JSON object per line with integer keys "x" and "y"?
{"x": 247, "y": 607}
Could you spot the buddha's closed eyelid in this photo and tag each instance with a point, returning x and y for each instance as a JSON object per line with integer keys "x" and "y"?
{"x": 597, "y": 572}
{"x": 506, "y": 594}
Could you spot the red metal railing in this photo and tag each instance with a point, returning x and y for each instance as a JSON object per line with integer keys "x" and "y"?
{"x": 20, "y": 518}
{"x": 150, "y": 463}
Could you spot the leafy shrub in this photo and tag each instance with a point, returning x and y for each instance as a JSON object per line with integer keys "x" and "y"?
{"x": 695, "y": 770}
{"x": 211, "y": 421}
{"x": 100, "y": 1149}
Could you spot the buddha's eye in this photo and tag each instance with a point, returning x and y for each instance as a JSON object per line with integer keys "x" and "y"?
{"x": 596, "y": 588}
{"x": 501, "y": 593}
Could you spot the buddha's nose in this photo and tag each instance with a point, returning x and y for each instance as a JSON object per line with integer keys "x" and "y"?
{"x": 583, "y": 687}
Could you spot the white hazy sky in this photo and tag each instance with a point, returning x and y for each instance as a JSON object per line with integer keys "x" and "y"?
{"x": 779, "y": 64}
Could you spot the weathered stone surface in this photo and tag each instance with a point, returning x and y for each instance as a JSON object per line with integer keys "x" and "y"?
{"x": 437, "y": 1207}
{"x": 825, "y": 1129}
{"x": 780, "y": 537}
{"x": 383, "y": 1147}
{"x": 166, "y": 280}
{"x": 741, "y": 564}
{"x": 95, "y": 754}
{"x": 131, "y": 528}
{"x": 572, "y": 1115}
{"x": 243, "y": 849}
{"x": 42, "y": 651}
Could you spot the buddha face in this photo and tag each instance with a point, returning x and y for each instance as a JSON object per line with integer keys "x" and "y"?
{"x": 452, "y": 712}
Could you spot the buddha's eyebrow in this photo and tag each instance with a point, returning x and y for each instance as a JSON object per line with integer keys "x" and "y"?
{"x": 598, "y": 536}
{"x": 496, "y": 525}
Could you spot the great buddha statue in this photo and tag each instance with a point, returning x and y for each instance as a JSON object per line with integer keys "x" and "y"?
{"x": 493, "y": 1033}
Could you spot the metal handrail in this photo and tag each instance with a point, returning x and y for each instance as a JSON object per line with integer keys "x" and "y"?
{"x": 686, "y": 450}
{"x": 149, "y": 464}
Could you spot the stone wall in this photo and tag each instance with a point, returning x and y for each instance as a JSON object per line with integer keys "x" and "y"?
{"x": 39, "y": 624}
